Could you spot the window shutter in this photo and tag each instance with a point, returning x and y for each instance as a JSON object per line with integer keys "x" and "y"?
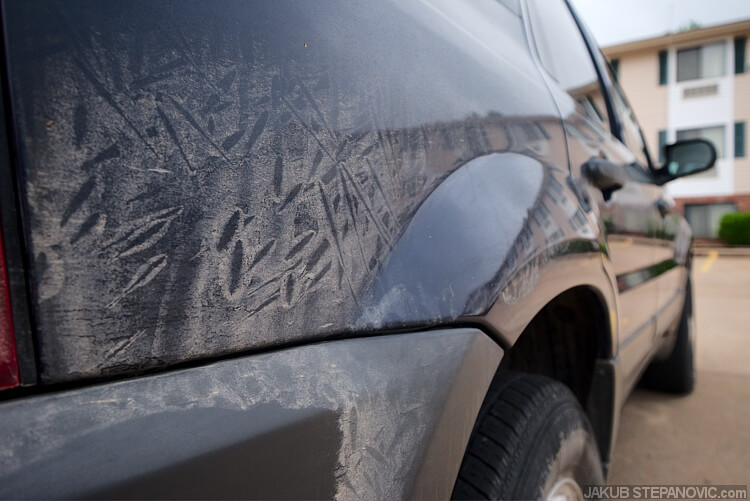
{"x": 662, "y": 67}
{"x": 662, "y": 144}
{"x": 739, "y": 139}
{"x": 615, "y": 64}
{"x": 739, "y": 54}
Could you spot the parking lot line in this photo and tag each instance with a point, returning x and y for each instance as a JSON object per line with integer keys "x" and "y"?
{"x": 706, "y": 266}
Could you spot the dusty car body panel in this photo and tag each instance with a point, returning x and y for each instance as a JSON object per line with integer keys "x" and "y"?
{"x": 382, "y": 417}
{"x": 214, "y": 179}
{"x": 345, "y": 211}
{"x": 445, "y": 266}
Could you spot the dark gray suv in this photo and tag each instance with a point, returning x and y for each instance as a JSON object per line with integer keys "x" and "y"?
{"x": 346, "y": 249}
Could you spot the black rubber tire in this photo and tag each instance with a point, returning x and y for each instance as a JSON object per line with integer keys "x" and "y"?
{"x": 530, "y": 432}
{"x": 676, "y": 374}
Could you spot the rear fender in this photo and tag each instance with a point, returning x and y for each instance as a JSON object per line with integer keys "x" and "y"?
{"x": 492, "y": 244}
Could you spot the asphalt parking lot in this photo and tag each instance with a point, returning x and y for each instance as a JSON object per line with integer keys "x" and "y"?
{"x": 703, "y": 438}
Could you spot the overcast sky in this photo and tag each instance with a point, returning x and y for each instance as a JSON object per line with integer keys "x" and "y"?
{"x": 616, "y": 21}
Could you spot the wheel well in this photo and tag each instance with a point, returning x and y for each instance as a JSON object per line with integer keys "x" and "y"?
{"x": 563, "y": 342}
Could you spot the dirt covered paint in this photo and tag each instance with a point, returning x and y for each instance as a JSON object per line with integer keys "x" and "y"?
{"x": 205, "y": 178}
{"x": 384, "y": 417}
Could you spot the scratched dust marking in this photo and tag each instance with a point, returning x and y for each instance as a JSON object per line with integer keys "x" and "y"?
{"x": 143, "y": 276}
{"x": 215, "y": 180}
{"x": 143, "y": 233}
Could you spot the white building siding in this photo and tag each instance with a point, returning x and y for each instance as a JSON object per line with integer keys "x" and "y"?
{"x": 711, "y": 105}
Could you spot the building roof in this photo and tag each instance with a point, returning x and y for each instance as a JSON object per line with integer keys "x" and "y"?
{"x": 679, "y": 37}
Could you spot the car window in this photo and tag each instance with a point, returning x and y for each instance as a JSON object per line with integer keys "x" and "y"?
{"x": 566, "y": 58}
{"x": 631, "y": 131}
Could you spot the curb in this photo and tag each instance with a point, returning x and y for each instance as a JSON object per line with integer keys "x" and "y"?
{"x": 722, "y": 251}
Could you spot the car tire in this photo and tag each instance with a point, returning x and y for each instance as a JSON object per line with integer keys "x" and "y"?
{"x": 532, "y": 441}
{"x": 676, "y": 373}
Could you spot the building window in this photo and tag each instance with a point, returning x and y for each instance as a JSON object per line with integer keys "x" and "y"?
{"x": 663, "y": 67}
{"x": 713, "y": 134}
{"x": 662, "y": 144}
{"x": 706, "y": 61}
{"x": 705, "y": 218}
{"x": 739, "y": 139}
{"x": 739, "y": 54}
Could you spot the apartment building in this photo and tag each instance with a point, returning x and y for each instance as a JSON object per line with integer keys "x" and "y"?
{"x": 695, "y": 84}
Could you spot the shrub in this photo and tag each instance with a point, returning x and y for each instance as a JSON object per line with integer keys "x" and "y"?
{"x": 734, "y": 229}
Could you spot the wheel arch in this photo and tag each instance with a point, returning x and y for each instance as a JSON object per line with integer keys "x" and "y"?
{"x": 568, "y": 336}
{"x": 592, "y": 281}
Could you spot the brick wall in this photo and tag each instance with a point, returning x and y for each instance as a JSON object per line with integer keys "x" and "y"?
{"x": 742, "y": 201}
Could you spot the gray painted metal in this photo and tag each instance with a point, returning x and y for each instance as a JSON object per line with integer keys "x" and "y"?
{"x": 371, "y": 418}
{"x": 207, "y": 178}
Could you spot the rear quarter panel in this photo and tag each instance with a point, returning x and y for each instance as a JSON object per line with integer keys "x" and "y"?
{"x": 200, "y": 179}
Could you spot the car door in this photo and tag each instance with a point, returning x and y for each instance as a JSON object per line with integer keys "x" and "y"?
{"x": 668, "y": 237}
{"x": 662, "y": 232}
{"x": 673, "y": 251}
{"x": 610, "y": 163}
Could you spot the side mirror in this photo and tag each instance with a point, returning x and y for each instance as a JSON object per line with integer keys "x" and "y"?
{"x": 685, "y": 158}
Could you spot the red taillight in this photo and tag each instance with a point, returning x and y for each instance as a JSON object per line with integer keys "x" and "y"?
{"x": 8, "y": 361}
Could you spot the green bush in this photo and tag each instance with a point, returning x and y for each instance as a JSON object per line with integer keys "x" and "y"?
{"x": 735, "y": 228}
